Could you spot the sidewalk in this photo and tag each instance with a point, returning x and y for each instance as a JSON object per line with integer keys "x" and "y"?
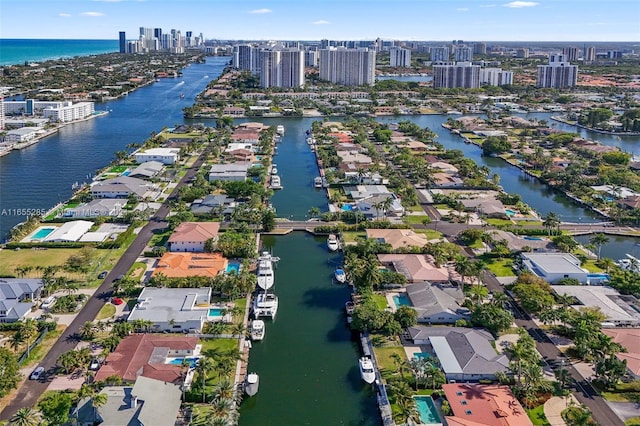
{"x": 555, "y": 405}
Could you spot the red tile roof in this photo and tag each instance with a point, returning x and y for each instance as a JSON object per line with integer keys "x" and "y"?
{"x": 132, "y": 357}
{"x": 195, "y": 231}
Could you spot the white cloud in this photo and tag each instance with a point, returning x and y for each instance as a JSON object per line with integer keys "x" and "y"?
{"x": 321, "y": 22}
{"x": 462, "y": 9}
{"x": 92, "y": 14}
{"x": 260, "y": 11}
{"x": 521, "y": 4}
{"x": 64, "y": 15}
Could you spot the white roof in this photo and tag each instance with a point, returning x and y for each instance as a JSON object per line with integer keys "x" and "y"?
{"x": 606, "y": 298}
{"x": 70, "y": 231}
{"x": 555, "y": 263}
{"x": 445, "y": 355}
{"x": 159, "y": 151}
{"x": 94, "y": 237}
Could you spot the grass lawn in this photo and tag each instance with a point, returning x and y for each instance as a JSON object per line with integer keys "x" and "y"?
{"x": 385, "y": 362}
{"x": 477, "y": 244}
{"x": 137, "y": 270}
{"x": 500, "y": 267}
{"x": 221, "y": 345}
{"x": 537, "y": 416}
{"x": 107, "y": 311}
{"x": 380, "y": 300}
{"x": 590, "y": 265}
{"x": 41, "y": 350}
{"x": 160, "y": 239}
{"x": 432, "y": 234}
{"x": 415, "y": 219}
{"x": 353, "y": 237}
{"x": 633, "y": 421}
{"x": 416, "y": 208}
{"x": 11, "y": 259}
{"x": 117, "y": 169}
{"x": 499, "y": 222}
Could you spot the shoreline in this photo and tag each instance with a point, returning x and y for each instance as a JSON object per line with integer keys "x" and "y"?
{"x": 560, "y": 119}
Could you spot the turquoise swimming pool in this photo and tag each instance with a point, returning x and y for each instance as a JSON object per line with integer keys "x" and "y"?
{"x": 178, "y": 361}
{"x": 42, "y": 233}
{"x": 427, "y": 410}
{"x": 401, "y": 300}
{"x": 215, "y": 312}
{"x": 233, "y": 267}
{"x": 510, "y": 212}
{"x": 422, "y": 355}
{"x": 347, "y": 207}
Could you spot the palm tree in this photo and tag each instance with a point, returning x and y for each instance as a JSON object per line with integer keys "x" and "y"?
{"x": 599, "y": 240}
{"x": 203, "y": 368}
{"x": 400, "y": 363}
{"x": 407, "y": 411}
{"x": 28, "y": 330}
{"x": 551, "y": 221}
{"x": 98, "y": 400}
{"x": 607, "y": 263}
{"x": 26, "y": 417}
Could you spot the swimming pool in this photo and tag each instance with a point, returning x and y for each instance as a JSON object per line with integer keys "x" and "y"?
{"x": 510, "y": 212}
{"x": 427, "y": 410}
{"x": 126, "y": 172}
{"x": 401, "y": 300}
{"x": 532, "y": 238}
{"x": 422, "y": 355}
{"x": 233, "y": 267}
{"x": 178, "y": 361}
{"x": 347, "y": 207}
{"x": 598, "y": 276}
{"x": 42, "y": 233}
{"x": 215, "y": 312}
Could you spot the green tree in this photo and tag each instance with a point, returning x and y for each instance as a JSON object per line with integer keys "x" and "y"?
{"x": 28, "y": 330}
{"x": 406, "y": 316}
{"x": 494, "y": 318}
{"x": 496, "y": 145}
{"x": 598, "y": 240}
{"x": 26, "y": 417}
{"x": 9, "y": 372}
{"x": 551, "y": 221}
{"x": 55, "y": 407}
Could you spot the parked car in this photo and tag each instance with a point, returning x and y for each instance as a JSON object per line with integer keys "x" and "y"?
{"x": 48, "y": 302}
{"x": 117, "y": 301}
{"x": 95, "y": 364}
{"x": 103, "y": 275}
{"x": 35, "y": 375}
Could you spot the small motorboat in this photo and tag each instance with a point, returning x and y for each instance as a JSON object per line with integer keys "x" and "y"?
{"x": 349, "y": 307}
{"x": 332, "y": 242}
{"x": 367, "y": 372}
{"x": 340, "y": 275}
{"x": 257, "y": 329}
{"x": 251, "y": 384}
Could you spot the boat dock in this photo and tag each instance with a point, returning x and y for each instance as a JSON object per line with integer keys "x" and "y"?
{"x": 381, "y": 393}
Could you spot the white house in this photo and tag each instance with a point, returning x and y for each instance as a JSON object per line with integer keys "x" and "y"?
{"x": 380, "y": 206}
{"x": 553, "y": 267}
{"x": 120, "y": 187}
{"x": 70, "y": 231}
{"x": 162, "y": 155}
{"x": 16, "y": 297}
{"x": 229, "y": 172}
{"x": 173, "y": 309}
{"x": 23, "y": 134}
{"x": 435, "y": 305}
{"x": 192, "y": 236}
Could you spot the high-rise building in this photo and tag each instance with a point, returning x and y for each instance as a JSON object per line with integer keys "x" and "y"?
{"x": 399, "y": 57}
{"x": 281, "y": 68}
{"x": 462, "y": 74}
{"x": 495, "y": 77}
{"x": 122, "y": 40}
{"x": 479, "y": 48}
{"x": 2, "y": 113}
{"x": 522, "y": 53}
{"x": 558, "y": 74}
{"x": 351, "y": 67}
{"x": 571, "y": 53}
{"x": 243, "y": 57}
{"x": 463, "y": 54}
{"x": 589, "y": 53}
{"x": 311, "y": 58}
{"x": 440, "y": 54}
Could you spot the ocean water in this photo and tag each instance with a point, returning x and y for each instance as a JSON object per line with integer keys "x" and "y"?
{"x": 19, "y": 51}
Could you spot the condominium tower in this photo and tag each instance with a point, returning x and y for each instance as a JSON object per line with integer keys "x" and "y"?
{"x": 558, "y": 74}
{"x": 459, "y": 75}
{"x": 351, "y": 67}
{"x": 281, "y": 68}
{"x": 399, "y": 57}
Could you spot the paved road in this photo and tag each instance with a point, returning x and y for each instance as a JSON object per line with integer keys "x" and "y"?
{"x": 583, "y": 391}
{"x": 31, "y": 390}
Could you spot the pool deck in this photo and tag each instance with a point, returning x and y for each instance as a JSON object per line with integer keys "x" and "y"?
{"x": 29, "y": 238}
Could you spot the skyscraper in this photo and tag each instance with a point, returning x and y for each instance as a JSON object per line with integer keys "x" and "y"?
{"x": 590, "y": 53}
{"x": 558, "y": 74}
{"x": 439, "y": 54}
{"x": 399, "y": 57}
{"x": 281, "y": 68}
{"x": 351, "y": 67}
{"x": 479, "y": 48}
{"x": 495, "y": 77}
{"x": 463, "y": 54}
{"x": 122, "y": 39}
{"x": 571, "y": 53}
{"x": 459, "y": 75}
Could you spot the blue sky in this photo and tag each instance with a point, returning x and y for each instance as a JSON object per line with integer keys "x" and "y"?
{"x": 539, "y": 20}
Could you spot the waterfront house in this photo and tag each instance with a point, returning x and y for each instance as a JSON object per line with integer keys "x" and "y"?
{"x": 17, "y": 296}
{"x": 147, "y": 402}
{"x": 162, "y": 155}
{"x": 484, "y": 405}
{"x": 371, "y": 207}
{"x": 179, "y": 265}
{"x": 485, "y": 206}
{"x": 119, "y": 187}
{"x": 69, "y": 231}
{"x": 213, "y": 203}
{"x": 229, "y": 172}
{"x": 398, "y": 238}
{"x": 172, "y": 309}
{"x": 465, "y": 354}
{"x": 98, "y": 207}
{"x": 553, "y": 267}
{"x": 192, "y": 236}
{"x": 416, "y": 267}
{"x": 629, "y": 339}
{"x": 619, "y": 310}
{"x": 148, "y": 355}
{"x": 517, "y": 243}
{"x": 147, "y": 170}
{"x": 437, "y": 305}
{"x": 23, "y": 134}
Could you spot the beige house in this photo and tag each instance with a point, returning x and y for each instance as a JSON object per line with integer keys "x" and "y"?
{"x": 398, "y": 238}
{"x": 416, "y": 267}
{"x": 192, "y": 236}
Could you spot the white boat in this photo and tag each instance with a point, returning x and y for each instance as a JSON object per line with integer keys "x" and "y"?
{"x": 340, "y": 275}
{"x": 332, "y": 242}
{"x": 266, "y": 276}
{"x": 349, "y": 307}
{"x": 265, "y": 305}
{"x": 317, "y": 182}
{"x": 274, "y": 170}
{"x": 275, "y": 182}
{"x": 280, "y": 129}
{"x": 367, "y": 372}
{"x": 251, "y": 384}
{"x": 311, "y": 141}
{"x": 257, "y": 329}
